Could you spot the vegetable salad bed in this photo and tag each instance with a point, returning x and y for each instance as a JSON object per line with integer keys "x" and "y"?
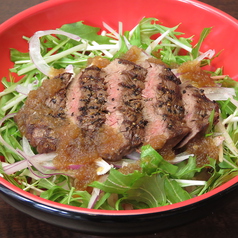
{"x": 158, "y": 182}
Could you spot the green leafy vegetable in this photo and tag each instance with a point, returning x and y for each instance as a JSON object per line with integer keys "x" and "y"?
{"x": 151, "y": 161}
{"x": 149, "y": 190}
{"x": 86, "y": 32}
{"x": 174, "y": 191}
{"x": 117, "y": 182}
{"x": 157, "y": 182}
{"x": 155, "y": 185}
{"x": 196, "y": 49}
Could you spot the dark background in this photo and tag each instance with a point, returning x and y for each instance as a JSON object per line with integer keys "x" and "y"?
{"x": 220, "y": 224}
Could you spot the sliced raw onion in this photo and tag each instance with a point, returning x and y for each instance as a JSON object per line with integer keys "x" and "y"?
{"x": 20, "y": 88}
{"x": 219, "y": 93}
{"x": 111, "y": 30}
{"x": 94, "y": 197}
{"x": 122, "y": 163}
{"x": 227, "y": 138}
{"x": 134, "y": 155}
{"x": 96, "y": 192}
{"x": 35, "y": 49}
{"x": 180, "y": 157}
{"x": 208, "y": 54}
{"x": 37, "y": 161}
{"x": 18, "y": 166}
{"x": 69, "y": 69}
{"x": 50, "y": 165}
{"x": 156, "y": 42}
{"x": 103, "y": 166}
{"x": 42, "y": 162}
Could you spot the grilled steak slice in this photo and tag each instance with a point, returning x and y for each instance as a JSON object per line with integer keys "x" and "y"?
{"x": 163, "y": 108}
{"x": 124, "y": 125}
{"x": 43, "y": 114}
{"x": 86, "y": 98}
{"x": 198, "y": 109}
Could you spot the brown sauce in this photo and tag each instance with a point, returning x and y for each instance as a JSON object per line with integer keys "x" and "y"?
{"x": 98, "y": 61}
{"x": 192, "y": 72}
{"x": 133, "y": 54}
{"x": 85, "y": 175}
{"x": 54, "y": 72}
{"x": 130, "y": 168}
{"x": 203, "y": 148}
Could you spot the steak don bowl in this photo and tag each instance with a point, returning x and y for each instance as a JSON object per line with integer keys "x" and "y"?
{"x": 122, "y": 222}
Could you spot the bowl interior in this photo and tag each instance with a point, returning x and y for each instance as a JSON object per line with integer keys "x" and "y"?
{"x": 192, "y": 15}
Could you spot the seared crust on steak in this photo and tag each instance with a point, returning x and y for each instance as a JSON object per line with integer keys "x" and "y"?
{"x": 124, "y": 121}
{"x": 163, "y": 108}
{"x": 44, "y": 109}
{"x": 86, "y": 99}
{"x": 198, "y": 109}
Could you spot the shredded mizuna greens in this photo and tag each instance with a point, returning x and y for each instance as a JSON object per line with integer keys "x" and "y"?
{"x": 159, "y": 182}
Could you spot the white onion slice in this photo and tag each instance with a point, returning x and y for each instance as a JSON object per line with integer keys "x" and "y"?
{"x": 156, "y": 42}
{"x": 69, "y": 69}
{"x": 180, "y": 157}
{"x": 134, "y": 155}
{"x": 227, "y": 138}
{"x": 103, "y": 166}
{"x": 208, "y": 54}
{"x": 219, "y": 93}
{"x": 94, "y": 197}
{"x": 20, "y": 88}
{"x": 114, "y": 33}
{"x": 35, "y": 50}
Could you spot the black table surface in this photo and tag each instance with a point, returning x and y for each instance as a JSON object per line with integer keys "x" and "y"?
{"x": 15, "y": 224}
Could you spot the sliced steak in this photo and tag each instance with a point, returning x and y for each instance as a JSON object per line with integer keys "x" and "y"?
{"x": 109, "y": 112}
{"x": 43, "y": 113}
{"x": 198, "y": 109}
{"x": 86, "y": 98}
{"x": 124, "y": 125}
{"x": 163, "y": 108}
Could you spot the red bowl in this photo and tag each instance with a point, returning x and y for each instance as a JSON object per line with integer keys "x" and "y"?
{"x": 193, "y": 16}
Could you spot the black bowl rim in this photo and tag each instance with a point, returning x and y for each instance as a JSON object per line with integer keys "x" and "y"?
{"x": 116, "y": 224}
{"x": 24, "y": 195}
{"x": 167, "y": 208}
{"x": 41, "y": 205}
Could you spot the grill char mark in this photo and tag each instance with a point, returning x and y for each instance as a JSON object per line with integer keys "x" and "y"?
{"x": 86, "y": 100}
{"x": 163, "y": 108}
{"x": 124, "y": 119}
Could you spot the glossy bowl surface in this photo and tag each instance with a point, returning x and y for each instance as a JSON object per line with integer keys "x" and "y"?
{"x": 193, "y": 16}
